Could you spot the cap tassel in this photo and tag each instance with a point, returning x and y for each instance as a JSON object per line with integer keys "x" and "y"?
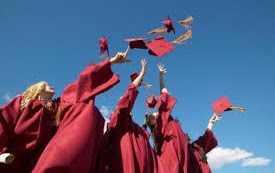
{"x": 146, "y": 85}
{"x": 183, "y": 38}
{"x": 158, "y": 31}
{"x": 187, "y": 23}
{"x": 241, "y": 109}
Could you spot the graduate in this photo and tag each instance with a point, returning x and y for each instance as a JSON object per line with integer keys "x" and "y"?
{"x": 126, "y": 147}
{"x": 29, "y": 121}
{"x": 198, "y": 149}
{"x": 170, "y": 142}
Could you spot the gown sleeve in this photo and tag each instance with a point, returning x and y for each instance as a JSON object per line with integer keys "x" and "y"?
{"x": 165, "y": 107}
{"x": 95, "y": 79}
{"x": 124, "y": 105}
{"x": 207, "y": 141}
{"x": 8, "y": 116}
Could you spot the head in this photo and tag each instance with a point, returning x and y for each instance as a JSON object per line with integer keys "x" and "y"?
{"x": 37, "y": 91}
{"x": 151, "y": 119}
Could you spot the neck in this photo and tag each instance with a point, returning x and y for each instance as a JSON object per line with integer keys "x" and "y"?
{"x": 45, "y": 97}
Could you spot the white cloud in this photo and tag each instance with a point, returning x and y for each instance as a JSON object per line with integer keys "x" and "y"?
{"x": 7, "y": 97}
{"x": 219, "y": 156}
{"x": 106, "y": 114}
{"x": 257, "y": 161}
{"x": 105, "y": 111}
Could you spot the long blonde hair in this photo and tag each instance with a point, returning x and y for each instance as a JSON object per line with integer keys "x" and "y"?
{"x": 32, "y": 93}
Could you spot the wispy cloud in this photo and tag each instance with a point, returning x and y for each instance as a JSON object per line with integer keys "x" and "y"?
{"x": 7, "y": 97}
{"x": 219, "y": 157}
{"x": 106, "y": 114}
{"x": 257, "y": 161}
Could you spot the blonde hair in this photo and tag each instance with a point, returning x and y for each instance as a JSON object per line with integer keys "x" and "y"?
{"x": 32, "y": 93}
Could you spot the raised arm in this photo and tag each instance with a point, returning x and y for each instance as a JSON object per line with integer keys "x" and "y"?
{"x": 137, "y": 82}
{"x": 212, "y": 120}
{"x": 162, "y": 72}
{"x": 120, "y": 57}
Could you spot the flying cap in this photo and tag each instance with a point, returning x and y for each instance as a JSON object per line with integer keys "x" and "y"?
{"x": 221, "y": 105}
{"x": 136, "y": 43}
{"x": 103, "y": 44}
{"x": 151, "y": 101}
{"x": 169, "y": 25}
{"x": 159, "y": 46}
{"x": 133, "y": 76}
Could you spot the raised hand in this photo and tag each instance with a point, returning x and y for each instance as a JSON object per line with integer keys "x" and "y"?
{"x": 215, "y": 118}
{"x": 162, "y": 70}
{"x": 143, "y": 66}
{"x": 121, "y": 57}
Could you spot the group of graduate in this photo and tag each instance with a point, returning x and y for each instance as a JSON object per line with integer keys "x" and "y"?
{"x": 40, "y": 134}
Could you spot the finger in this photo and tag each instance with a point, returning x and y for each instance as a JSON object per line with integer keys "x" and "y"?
{"x": 127, "y": 51}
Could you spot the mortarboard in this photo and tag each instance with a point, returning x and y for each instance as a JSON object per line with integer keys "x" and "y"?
{"x": 221, "y": 105}
{"x": 103, "y": 44}
{"x": 136, "y": 43}
{"x": 151, "y": 101}
{"x": 159, "y": 47}
{"x": 133, "y": 76}
{"x": 169, "y": 25}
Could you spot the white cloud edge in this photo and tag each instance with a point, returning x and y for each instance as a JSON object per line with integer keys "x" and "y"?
{"x": 106, "y": 114}
{"x": 220, "y": 156}
{"x": 256, "y": 161}
{"x": 7, "y": 97}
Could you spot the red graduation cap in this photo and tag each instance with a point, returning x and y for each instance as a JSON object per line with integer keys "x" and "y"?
{"x": 133, "y": 76}
{"x": 159, "y": 47}
{"x": 169, "y": 25}
{"x": 136, "y": 43}
{"x": 103, "y": 44}
{"x": 151, "y": 101}
{"x": 221, "y": 105}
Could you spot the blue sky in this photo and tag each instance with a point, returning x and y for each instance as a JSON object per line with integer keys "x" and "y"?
{"x": 231, "y": 53}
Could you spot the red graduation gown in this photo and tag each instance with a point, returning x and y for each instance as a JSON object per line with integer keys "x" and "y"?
{"x": 126, "y": 146}
{"x": 74, "y": 147}
{"x": 173, "y": 154}
{"x": 198, "y": 148}
{"x": 25, "y": 134}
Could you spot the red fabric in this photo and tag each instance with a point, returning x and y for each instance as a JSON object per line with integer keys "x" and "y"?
{"x": 221, "y": 105}
{"x": 76, "y": 142}
{"x": 205, "y": 144}
{"x": 136, "y": 43}
{"x": 173, "y": 155}
{"x": 25, "y": 134}
{"x": 103, "y": 45}
{"x": 159, "y": 47}
{"x": 126, "y": 143}
{"x": 169, "y": 25}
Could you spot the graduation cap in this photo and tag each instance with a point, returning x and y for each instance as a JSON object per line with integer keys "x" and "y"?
{"x": 133, "y": 76}
{"x": 169, "y": 25}
{"x": 137, "y": 43}
{"x": 103, "y": 45}
{"x": 223, "y": 104}
{"x": 151, "y": 101}
{"x": 159, "y": 46}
